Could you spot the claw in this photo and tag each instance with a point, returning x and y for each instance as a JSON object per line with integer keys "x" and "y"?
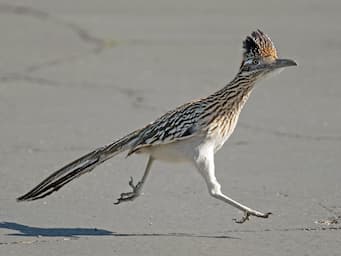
{"x": 124, "y": 194}
{"x": 131, "y": 182}
{"x": 243, "y": 219}
{"x": 266, "y": 215}
{"x": 129, "y": 196}
{"x": 247, "y": 215}
{"x": 118, "y": 201}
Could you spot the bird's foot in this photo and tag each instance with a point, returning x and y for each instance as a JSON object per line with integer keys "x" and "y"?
{"x": 249, "y": 213}
{"x": 130, "y": 196}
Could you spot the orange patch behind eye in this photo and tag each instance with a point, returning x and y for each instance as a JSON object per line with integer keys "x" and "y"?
{"x": 269, "y": 52}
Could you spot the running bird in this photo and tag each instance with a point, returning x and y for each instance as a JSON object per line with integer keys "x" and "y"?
{"x": 193, "y": 132}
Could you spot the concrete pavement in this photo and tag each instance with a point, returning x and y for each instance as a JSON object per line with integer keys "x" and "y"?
{"x": 76, "y": 75}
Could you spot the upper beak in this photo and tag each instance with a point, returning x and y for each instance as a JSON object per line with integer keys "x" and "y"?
{"x": 281, "y": 63}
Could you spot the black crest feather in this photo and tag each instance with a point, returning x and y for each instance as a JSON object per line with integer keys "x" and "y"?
{"x": 258, "y": 44}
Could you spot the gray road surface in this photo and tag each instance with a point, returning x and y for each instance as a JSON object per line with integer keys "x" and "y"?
{"x": 78, "y": 74}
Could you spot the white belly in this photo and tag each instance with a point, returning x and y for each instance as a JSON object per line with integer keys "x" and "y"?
{"x": 184, "y": 150}
{"x": 178, "y": 151}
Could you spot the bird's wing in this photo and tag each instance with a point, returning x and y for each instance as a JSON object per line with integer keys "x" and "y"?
{"x": 178, "y": 124}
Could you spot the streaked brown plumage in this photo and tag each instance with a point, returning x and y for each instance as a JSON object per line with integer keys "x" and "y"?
{"x": 192, "y": 132}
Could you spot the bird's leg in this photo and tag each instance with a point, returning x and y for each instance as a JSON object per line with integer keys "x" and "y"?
{"x": 130, "y": 196}
{"x": 205, "y": 165}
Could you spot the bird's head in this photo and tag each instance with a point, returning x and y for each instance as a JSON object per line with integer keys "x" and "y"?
{"x": 260, "y": 55}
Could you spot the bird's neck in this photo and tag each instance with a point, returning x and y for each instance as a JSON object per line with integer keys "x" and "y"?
{"x": 236, "y": 93}
{"x": 225, "y": 105}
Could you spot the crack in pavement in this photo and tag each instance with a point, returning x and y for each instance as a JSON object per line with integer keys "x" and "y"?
{"x": 135, "y": 95}
{"x": 97, "y": 43}
{"x": 37, "y": 241}
{"x": 29, "y": 79}
{"x": 32, "y": 149}
{"x": 334, "y": 219}
{"x": 328, "y": 209}
{"x": 297, "y": 229}
{"x": 290, "y": 135}
{"x": 185, "y": 235}
{"x": 83, "y": 34}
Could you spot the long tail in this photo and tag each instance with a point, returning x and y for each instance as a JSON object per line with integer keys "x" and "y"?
{"x": 78, "y": 167}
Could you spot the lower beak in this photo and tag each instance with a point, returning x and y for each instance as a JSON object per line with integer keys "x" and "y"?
{"x": 282, "y": 63}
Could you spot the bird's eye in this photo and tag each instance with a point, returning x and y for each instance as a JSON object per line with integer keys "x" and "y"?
{"x": 255, "y": 62}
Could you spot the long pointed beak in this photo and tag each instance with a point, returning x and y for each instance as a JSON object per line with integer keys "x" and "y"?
{"x": 282, "y": 63}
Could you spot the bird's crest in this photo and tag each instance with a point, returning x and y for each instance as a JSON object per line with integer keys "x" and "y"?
{"x": 258, "y": 44}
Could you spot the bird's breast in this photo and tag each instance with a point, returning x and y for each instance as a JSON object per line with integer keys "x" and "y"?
{"x": 222, "y": 128}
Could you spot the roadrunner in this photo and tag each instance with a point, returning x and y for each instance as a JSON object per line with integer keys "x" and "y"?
{"x": 192, "y": 132}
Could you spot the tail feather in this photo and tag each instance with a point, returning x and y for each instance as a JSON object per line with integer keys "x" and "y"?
{"x": 78, "y": 167}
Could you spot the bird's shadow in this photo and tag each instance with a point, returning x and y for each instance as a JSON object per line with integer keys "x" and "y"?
{"x": 28, "y": 231}
{"x": 24, "y": 230}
